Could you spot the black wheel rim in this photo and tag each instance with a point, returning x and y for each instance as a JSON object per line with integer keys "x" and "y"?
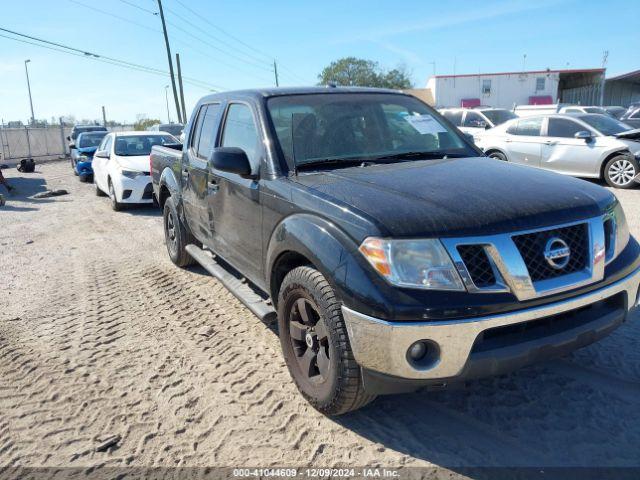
{"x": 309, "y": 339}
{"x": 172, "y": 237}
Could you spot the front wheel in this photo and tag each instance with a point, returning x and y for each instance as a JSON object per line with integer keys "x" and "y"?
{"x": 620, "y": 171}
{"x": 176, "y": 236}
{"x": 115, "y": 204}
{"x": 315, "y": 344}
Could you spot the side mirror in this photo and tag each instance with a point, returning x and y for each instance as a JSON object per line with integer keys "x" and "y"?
{"x": 487, "y": 126}
{"x": 68, "y": 138}
{"x": 584, "y": 135}
{"x": 101, "y": 154}
{"x": 72, "y": 146}
{"x": 232, "y": 160}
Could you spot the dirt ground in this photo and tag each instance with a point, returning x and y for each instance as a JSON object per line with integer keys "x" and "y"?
{"x": 99, "y": 337}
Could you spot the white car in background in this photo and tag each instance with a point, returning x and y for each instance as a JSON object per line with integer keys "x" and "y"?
{"x": 121, "y": 166}
{"x": 585, "y": 145}
{"x": 474, "y": 120}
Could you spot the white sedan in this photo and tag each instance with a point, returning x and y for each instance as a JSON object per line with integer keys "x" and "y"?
{"x": 121, "y": 166}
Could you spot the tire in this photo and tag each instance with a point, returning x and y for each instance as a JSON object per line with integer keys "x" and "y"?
{"x": 176, "y": 235}
{"x": 498, "y": 156}
{"x": 73, "y": 167}
{"x": 316, "y": 346}
{"x": 99, "y": 193}
{"x": 115, "y": 204}
{"x": 620, "y": 171}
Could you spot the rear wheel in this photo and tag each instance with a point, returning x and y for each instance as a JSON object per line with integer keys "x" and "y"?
{"x": 176, "y": 236}
{"x": 620, "y": 171}
{"x": 498, "y": 156}
{"x": 315, "y": 344}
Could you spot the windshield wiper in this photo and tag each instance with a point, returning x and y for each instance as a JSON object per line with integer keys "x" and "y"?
{"x": 333, "y": 161}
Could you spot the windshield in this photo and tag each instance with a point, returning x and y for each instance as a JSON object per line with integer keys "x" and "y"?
{"x": 498, "y": 117}
{"x": 86, "y": 140}
{"x": 599, "y": 110}
{"x": 344, "y": 127}
{"x": 605, "y": 124}
{"x": 134, "y": 145}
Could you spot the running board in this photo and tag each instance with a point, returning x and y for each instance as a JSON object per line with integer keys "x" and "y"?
{"x": 236, "y": 285}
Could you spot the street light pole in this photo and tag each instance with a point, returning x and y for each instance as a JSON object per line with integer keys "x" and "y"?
{"x": 166, "y": 98}
{"x": 33, "y": 118}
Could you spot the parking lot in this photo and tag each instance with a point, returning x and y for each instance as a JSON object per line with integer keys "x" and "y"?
{"x": 102, "y": 336}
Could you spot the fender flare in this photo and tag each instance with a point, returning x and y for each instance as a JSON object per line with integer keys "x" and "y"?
{"x": 334, "y": 254}
{"x": 168, "y": 180}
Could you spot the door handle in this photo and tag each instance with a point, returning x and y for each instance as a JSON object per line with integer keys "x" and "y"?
{"x": 550, "y": 142}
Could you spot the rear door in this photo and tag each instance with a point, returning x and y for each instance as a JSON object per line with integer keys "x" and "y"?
{"x": 195, "y": 171}
{"x": 563, "y": 153}
{"x": 524, "y": 143}
{"x": 234, "y": 211}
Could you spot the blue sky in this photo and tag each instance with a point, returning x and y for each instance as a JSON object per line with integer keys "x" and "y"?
{"x": 303, "y": 36}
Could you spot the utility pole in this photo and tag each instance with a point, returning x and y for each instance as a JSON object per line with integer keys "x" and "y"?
{"x": 275, "y": 71}
{"x": 33, "y": 118}
{"x": 104, "y": 117}
{"x": 184, "y": 110}
{"x": 166, "y": 98}
{"x": 173, "y": 80}
{"x": 605, "y": 57}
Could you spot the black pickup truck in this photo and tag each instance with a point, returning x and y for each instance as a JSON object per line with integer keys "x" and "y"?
{"x": 393, "y": 254}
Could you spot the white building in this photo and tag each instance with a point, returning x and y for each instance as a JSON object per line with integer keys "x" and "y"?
{"x": 504, "y": 90}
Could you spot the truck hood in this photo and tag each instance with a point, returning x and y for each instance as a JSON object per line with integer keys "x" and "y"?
{"x": 458, "y": 197}
{"x": 630, "y": 134}
{"x": 139, "y": 163}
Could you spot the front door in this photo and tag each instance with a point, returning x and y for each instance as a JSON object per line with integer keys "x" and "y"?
{"x": 195, "y": 172}
{"x": 234, "y": 209}
{"x": 563, "y": 153}
{"x": 99, "y": 163}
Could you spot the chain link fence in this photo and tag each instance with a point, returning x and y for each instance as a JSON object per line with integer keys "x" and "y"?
{"x": 38, "y": 142}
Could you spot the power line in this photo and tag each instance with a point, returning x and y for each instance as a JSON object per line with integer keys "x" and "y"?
{"x": 97, "y": 57}
{"x": 95, "y": 9}
{"x": 139, "y": 7}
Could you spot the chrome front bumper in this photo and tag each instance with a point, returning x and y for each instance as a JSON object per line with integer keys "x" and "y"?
{"x": 382, "y": 346}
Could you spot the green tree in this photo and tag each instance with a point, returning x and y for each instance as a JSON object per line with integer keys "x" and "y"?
{"x": 143, "y": 123}
{"x": 357, "y": 72}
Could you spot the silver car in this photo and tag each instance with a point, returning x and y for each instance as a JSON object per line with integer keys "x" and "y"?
{"x": 582, "y": 145}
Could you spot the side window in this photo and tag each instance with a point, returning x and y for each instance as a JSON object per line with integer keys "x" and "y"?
{"x": 208, "y": 131}
{"x": 486, "y": 87}
{"x": 474, "y": 119}
{"x": 454, "y": 117}
{"x": 635, "y": 114}
{"x": 197, "y": 126}
{"x": 540, "y": 81}
{"x": 107, "y": 144}
{"x": 103, "y": 143}
{"x": 562, "y": 127}
{"x": 240, "y": 131}
{"x": 526, "y": 127}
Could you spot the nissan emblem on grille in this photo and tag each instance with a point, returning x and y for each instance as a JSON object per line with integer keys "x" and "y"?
{"x": 557, "y": 253}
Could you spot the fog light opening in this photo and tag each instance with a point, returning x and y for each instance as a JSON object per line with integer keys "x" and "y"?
{"x": 423, "y": 354}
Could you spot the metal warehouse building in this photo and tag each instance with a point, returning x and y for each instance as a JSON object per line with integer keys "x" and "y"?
{"x": 623, "y": 89}
{"x": 507, "y": 89}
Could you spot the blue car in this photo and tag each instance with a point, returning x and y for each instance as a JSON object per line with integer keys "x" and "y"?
{"x": 82, "y": 152}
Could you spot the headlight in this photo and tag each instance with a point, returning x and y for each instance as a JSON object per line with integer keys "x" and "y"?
{"x": 622, "y": 229}
{"x": 130, "y": 173}
{"x": 83, "y": 158}
{"x": 421, "y": 264}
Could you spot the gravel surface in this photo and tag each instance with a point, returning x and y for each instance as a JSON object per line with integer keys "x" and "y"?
{"x": 103, "y": 363}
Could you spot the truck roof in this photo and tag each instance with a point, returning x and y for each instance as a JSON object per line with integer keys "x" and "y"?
{"x": 280, "y": 91}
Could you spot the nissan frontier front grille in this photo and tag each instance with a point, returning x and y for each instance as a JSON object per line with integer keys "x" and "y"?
{"x": 478, "y": 265}
{"x": 532, "y": 248}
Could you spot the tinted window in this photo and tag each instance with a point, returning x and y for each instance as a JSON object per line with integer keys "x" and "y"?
{"x": 347, "y": 126}
{"x": 134, "y": 145}
{"x": 498, "y": 117}
{"x": 208, "y": 131}
{"x": 240, "y": 131}
{"x": 197, "y": 126}
{"x": 474, "y": 119}
{"x": 107, "y": 144}
{"x": 526, "y": 126}
{"x": 454, "y": 117}
{"x": 562, "y": 127}
{"x": 635, "y": 114}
